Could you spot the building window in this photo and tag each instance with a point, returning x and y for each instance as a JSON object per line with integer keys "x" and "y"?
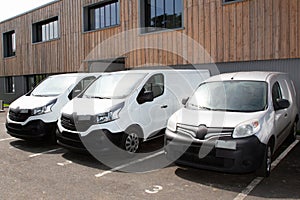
{"x": 45, "y": 30}
{"x": 231, "y": 1}
{"x": 9, "y": 44}
{"x": 158, "y": 14}
{"x": 9, "y": 84}
{"x": 99, "y": 16}
{"x": 33, "y": 80}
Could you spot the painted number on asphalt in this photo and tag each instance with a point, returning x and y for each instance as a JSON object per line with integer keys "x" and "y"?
{"x": 155, "y": 189}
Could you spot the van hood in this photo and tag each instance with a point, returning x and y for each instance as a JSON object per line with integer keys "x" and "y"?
{"x": 92, "y": 106}
{"x": 213, "y": 118}
{"x": 31, "y": 102}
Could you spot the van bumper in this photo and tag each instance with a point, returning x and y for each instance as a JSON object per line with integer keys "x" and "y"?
{"x": 33, "y": 130}
{"x": 95, "y": 141}
{"x": 244, "y": 156}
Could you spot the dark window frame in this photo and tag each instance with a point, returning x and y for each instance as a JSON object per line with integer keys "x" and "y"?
{"x": 44, "y": 31}
{"x": 9, "y": 44}
{"x": 225, "y": 2}
{"x": 104, "y": 20}
{"x": 166, "y": 22}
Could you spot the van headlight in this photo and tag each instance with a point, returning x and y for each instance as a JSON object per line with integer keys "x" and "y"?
{"x": 246, "y": 129}
{"x": 44, "y": 109}
{"x": 113, "y": 114}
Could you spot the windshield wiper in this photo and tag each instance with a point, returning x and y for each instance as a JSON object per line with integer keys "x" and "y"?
{"x": 40, "y": 95}
{"x": 98, "y": 97}
{"x": 204, "y": 108}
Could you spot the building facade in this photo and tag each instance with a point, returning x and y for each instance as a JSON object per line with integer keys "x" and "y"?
{"x": 98, "y": 35}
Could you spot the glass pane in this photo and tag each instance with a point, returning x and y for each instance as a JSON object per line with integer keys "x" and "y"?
{"x": 102, "y": 17}
{"x": 47, "y": 88}
{"x": 231, "y": 96}
{"x": 178, "y": 7}
{"x": 169, "y": 14}
{"x": 153, "y": 13}
{"x": 43, "y": 32}
{"x": 107, "y": 15}
{"x": 47, "y": 32}
{"x": 178, "y": 13}
{"x": 115, "y": 86}
{"x": 160, "y": 13}
{"x": 13, "y": 38}
{"x": 97, "y": 18}
{"x": 113, "y": 14}
{"x": 51, "y": 30}
{"x": 55, "y": 29}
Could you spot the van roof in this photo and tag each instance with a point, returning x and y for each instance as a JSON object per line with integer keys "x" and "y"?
{"x": 246, "y": 75}
{"x": 76, "y": 75}
{"x": 148, "y": 71}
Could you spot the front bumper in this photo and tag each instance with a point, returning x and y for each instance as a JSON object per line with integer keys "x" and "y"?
{"x": 34, "y": 130}
{"x": 233, "y": 155}
{"x": 95, "y": 141}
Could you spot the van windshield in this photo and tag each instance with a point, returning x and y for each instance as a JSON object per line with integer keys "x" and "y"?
{"x": 232, "y": 96}
{"x": 114, "y": 86}
{"x": 53, "y": 86}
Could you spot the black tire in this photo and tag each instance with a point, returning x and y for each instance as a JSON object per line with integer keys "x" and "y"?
{"x": 265, "y": 168}
{"x": 293, "y": 133}
{"x": 131, "y": 140}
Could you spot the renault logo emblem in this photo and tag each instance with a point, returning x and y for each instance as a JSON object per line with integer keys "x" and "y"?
{"x": 201, "y": 132}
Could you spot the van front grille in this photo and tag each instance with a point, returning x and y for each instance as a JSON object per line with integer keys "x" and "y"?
{"x": 19, "y": 115}
{"x": 67, "y": 121}
{"x": 210, "y": 132}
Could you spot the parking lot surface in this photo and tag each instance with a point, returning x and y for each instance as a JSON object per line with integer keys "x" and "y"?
{"x": 43, "y": 171}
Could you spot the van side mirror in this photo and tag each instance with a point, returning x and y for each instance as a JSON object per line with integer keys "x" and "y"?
{"x": 282, "y": 104}
{"x": 184, "y": 101}
{"x": 146, "y": 97}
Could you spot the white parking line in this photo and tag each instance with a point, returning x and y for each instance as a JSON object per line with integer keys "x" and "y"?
{"x": 11, "y": 138}
{"x": 45, "y": 152}
{"x": 67, "y": 162}
{"x": 128, "y": 164}
{"x": 257, "y": 180}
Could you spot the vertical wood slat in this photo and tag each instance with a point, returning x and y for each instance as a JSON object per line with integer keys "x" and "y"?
{"x": 239, "y": 32}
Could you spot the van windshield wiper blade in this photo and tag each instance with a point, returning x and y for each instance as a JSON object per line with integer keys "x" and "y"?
{"x": 204, "y": 108}
{"x": 98, "y": 97}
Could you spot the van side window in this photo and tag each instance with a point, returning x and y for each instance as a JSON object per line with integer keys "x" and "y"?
{"x": 80, "y": 86}
{"x": 276, "y": 94}
{"x": 155, "y": 84}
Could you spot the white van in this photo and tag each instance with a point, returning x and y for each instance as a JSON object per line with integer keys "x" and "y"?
{"x": 129, "y": 106}
{"x": 34, "y": 115}
{"x": 234, "y": 122}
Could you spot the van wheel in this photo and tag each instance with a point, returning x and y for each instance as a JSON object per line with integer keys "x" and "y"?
{"x": 131, "y": 141}
{"x": 293, "y": 134}
{"x": 265, "y": 168}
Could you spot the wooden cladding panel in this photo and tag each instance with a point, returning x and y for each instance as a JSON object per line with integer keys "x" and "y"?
{"x": 243, "y": 31}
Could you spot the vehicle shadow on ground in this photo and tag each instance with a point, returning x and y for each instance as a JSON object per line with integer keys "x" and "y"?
{"x": 223, "y": 181}
{"x": 131, "y": 163}
{"x": 284, "y": 182}
{"x": 84, "y": 159}
{"x": 36, "y": 146}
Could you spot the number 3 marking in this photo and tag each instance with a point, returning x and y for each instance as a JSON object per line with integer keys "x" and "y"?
{"x": 156, "y": 189}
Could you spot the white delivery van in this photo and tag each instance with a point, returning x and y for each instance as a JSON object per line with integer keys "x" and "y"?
{"x": 34, "y": 115}
{"x": 234, "y": 122}
{"x": 128, "y": 107}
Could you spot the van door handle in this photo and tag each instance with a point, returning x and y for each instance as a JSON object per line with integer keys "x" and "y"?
{"x": 164, "y": 106}
{"x": 285, "y": 115}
